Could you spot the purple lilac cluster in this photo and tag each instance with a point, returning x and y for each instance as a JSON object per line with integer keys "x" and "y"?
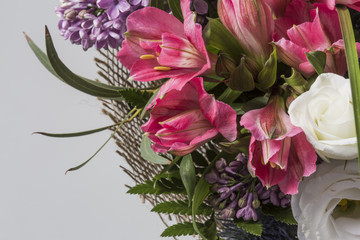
{"x": 99, "y": 23}
{"x": 235, "y": 193}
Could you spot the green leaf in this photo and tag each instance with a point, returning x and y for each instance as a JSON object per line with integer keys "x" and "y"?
{"x": 158, "y": 4}
{"x": 180, "y": 229}
{"x": 143, "y": 112}
{"x": 148, "y": 153}
{"x": 241, "y": 78}
{"x": 296, "y": 81}
{"x": 76, "y": 134}
{"x": 216, "y": 36}
{"x": 181, "y": 207}
{"x": 176, "y": 9}
{"x": 85, "y": 85}
{"x": 229, "y": 95}
{"x": 254, "y": 228}
{"x": 202, "y": 190}
{"x": 135, "y": 97}
{"x": 188, "y": 175}
{"x": 267, "y": 76}
{"x": 280, "y": 214}
{"x": 255, "y": 103}
{"x": 150, "y": 187}
{"x": 210, "y": 231}
{"x": 41, "y": 56}
{"x": 352, "y": 64}
{"x": 317, "y": 60}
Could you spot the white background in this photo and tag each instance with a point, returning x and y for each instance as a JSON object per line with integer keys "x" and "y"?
{"x": 37, "y": 201}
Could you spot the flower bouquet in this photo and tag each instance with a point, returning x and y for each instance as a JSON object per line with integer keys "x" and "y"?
{"x": 235, "y": 116}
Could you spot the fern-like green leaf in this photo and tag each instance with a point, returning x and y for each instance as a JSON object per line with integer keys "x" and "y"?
{"x": 180, "y": 229}
{"x": 135, "y": 97}
{"x": 157, "y": 187}
{"x": 254, "y": 228}
{"x": 181, "y": 207}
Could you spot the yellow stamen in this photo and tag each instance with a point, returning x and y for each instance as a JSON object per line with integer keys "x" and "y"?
{"x": 162, "y": 68}
{"x": 147, "y": 56}
{"x": 273, "y": 165}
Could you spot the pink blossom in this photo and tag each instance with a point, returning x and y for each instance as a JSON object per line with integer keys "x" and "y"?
{"x": 277, "y": 6}
{"x": 279, "y": 152}
{"x": 355, "y": 4}
{"x": 252, "y": 24}
{"x": 159, "y": 46}
{"x": 322, "y": 33}
{"x": 187, "y": 118}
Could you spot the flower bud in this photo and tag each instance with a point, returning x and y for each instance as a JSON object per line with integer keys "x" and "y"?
{"x": 225, "y": 65}
{"x": 70, "y": 14}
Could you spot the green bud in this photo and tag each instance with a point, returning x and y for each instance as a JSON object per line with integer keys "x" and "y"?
{"x": 241, "y": 78}
{"x": 225, "y": 65}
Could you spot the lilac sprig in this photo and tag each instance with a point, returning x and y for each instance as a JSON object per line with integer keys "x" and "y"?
{"x": 100, "y": 23}
{"x": 237, "y": 194}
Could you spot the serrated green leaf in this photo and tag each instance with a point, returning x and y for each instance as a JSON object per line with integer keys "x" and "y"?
{"x": 150, "y": 187}
{"x": 254, "y": 228}
{"x": 180, "y": 229}
{"x": 188, "y": 175}
{"x": 85, "y": 85}
{"x": 280, "y": 214}
{"x": 143, "y": 188}
{"x": 317, "y": 60}
{"x": 148, "y": 153}
{"x": 181, "y": 207}
{"x": 76, "y": 134}
{"x": 176, "y": 9}
{"x": 135, "y": 97}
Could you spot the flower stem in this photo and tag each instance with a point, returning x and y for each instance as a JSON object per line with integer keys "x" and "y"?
{"x": 352, "y": 64}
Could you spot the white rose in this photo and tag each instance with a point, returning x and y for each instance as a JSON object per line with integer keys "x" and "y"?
{"x": 325, "y": 113}
{"x": 317, "y": 207}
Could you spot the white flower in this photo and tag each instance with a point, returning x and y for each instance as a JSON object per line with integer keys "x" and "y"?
{"x": 317, "y": 205}
{"x": 325, "y": 113}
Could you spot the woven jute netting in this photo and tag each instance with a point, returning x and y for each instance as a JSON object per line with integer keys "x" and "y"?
{"x": 128, "y": 138}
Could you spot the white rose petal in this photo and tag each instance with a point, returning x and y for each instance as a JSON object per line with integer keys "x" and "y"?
{"x": 316, "y": 209}
{"x": 325, "y": 113}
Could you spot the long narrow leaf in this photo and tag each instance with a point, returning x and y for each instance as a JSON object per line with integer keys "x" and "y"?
{"x": 176, "y": 9}
{"x": 75, "y": 134}
{"x": 188, "y": 175}
{"x": 85, "y": 85}
{"x": 352, "y": 61}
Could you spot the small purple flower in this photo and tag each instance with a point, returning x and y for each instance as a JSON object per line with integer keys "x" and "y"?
{"x": 103, "y": 25}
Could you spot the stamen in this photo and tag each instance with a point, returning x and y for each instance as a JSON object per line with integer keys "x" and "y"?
{"x": 273, "y": 165}
{"x": 147, "y": 56}
{"x": 162, "y": 68}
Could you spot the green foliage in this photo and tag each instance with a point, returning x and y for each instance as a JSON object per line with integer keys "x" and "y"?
{"x": 317, "y": 60}
{"x": 176, "y": 9}
{"x": 280, "y": 214}
{"x": 64, "y": 74}
{"x": 217, "y": 38}
{"x": 296, "y": 81}
{"x": 180, "y": 229}
{"x": 181, "y": 207}
{"x": 267, "y": 76}
{"x": 157, "y": 188}
{"x": 188, "y": 175}
{"x": 148, "y": 153}
{"x": 241, "y": 78}
{"x": 135, "y": 97}
{"x": 254, "y": 228}
{"x": 255, "y": 103}
{"x": 158, "y": 4}
{"x": 209, "y": 229}
{"x": 76, "y": 134}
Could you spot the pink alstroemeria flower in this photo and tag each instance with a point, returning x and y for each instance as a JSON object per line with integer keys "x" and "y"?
{"x": 185, "y": 119}
{"x": 355, "y": 4}
{"x": 158, "y": 46}
{"x": 279, "y": 152}
{"x": 278, "y": 6}
{"x": 323, "y": 33}
{"x": 252, "y": 24}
